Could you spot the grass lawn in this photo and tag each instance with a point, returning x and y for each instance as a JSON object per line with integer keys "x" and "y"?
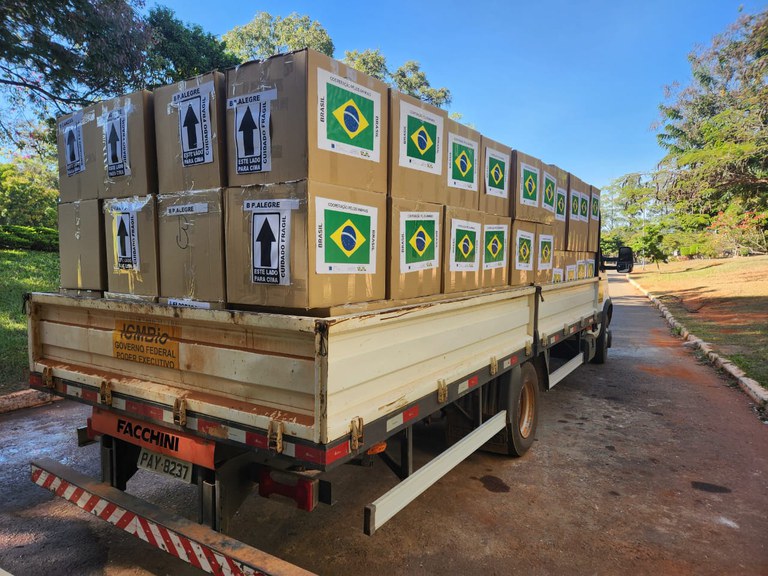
{"x": 20, "y": 271}
{"x": 724, "y": 302}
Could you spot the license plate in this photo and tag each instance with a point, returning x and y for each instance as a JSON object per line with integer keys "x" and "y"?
{"x": 165, "y": 465}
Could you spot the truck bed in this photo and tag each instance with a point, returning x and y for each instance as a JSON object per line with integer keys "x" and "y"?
{"x": 312, "y": 386}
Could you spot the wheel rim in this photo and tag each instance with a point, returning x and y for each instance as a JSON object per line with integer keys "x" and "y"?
{"x": 526, "y": 409}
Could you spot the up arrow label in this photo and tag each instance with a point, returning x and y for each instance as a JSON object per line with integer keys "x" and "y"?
{"x": 266, "y": 238}
{"x": 122, "y": 234}
{"x": 113, "y": 140}
{"x": 247, "y": 127}
{"x": 71, "y": 146}
{"x": 190, "y": 123}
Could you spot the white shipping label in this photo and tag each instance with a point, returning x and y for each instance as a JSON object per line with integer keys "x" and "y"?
{"x": 529, "y": 185}
{"x": 345, "y": 236}
{"x": 348, "y": 117}
{"x": 419, "y": 241}
{"x": 176, "y": 303}
{"x": 465, "y": 246}
{"x": 421, "y": 139}
{"x": 524, "y": 250}
{"x": 462, "y": 163}
{"x": 557, "y": 275}
{"x": 574, "y": 206}
{"x": 570, "y": 273}
{"x": 195, "y": 130}
{"x": 545, "y": 251}
{"x": 561, "y": 205}
{"x": 495, "y": 246}
{"x": 548, "y": 196}
{"x": 126, "y": 240}
{"x": 270, "y": 240}
{"x": 496, "y": 173}
{"x": 72, "y": 132}
{"x": 594, "y": 207}
{"x": 196, "y": 208}
{"x": 116, "y": 155}
{"x": 253, "y": 145}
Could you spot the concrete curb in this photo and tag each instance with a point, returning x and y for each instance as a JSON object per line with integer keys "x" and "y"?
{"x": 25, "y": 399}
{"x": 751, "y": 387}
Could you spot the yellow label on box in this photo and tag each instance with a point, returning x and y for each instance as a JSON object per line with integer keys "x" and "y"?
{"x": 146, "y": 343}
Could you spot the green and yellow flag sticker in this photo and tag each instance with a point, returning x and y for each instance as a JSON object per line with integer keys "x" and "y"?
{"x": 462, "y": 162}
{"x": 496, "y": 173}
{"x": 560, "y": 204}
{"x": 574, "y": 204}
{"x": 495, "y": 243}
{"x": 529, "y": 185}
{"x": 419, "y": 241}
{"x": 346, "y": 237}
{"x": 548, "y": 197}
{"x": 348, "y": 117}
{"x": 584, "y": 207}
{"x": 524, "y": 250}
{"x": 546, "y": 251}
{"x": 421, "y": 135}
{"x": 595, "y": 212}
{"x": 465, "y": 247}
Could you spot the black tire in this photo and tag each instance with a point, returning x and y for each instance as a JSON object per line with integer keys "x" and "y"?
{"x": 601, "y": 347}
{"x": 522, "y": 410}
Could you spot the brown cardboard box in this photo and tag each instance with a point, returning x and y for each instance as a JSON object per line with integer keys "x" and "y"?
{"x": 558, "y": 267}
{"x": 464, "y": 166}
{"x": 462, "y": 249}
{"x": 305, "y": 245}
{"x": 560, "y": 223}
{"x": 523, "y": 259}
{"x": 526, "y": 187}
{"x": 414, "y": 248}
{"x": 78, "y": 140}
{"x": 570, "y": 260}
{"x": 81, "y": 246}
{"x": 496, "y": 230}
{"x": 191, "y": 232}
{"x": 128, "y": 165}
{"x": 593, "y": 240}
{"x": 417, "y": 150}
{"x": 130, "y": 227}
{"x": 578, "y": 212}
{"x": 497, "y": 163}
{"x": 303, "y": 115}
{"x": 544, "y": 253}
{"x": 190, "y": 135}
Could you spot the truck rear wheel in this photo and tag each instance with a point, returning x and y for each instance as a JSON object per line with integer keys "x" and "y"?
{"x": 522, "y": 410}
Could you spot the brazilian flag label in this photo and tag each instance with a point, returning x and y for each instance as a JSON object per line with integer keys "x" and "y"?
{"x": 584, "y": 207}
{"x": 496, "y": 173}
{"x": 545, "y": 252}
{"x": 524, "y": 250}
{"x": 345, "y": 237}
{"x": 557, "y": 276}
{"x": 529, "y": 185}
{"x": 495, "y": 244}
{"x": 574, "y": 206}
{"x": 561, "y": 204}
{"x": 595, "y": 207}
{"x": 581, "y": 269}
{"x": 419, "y": 241}
{"x": 348, "y": 117}
{"x": 590, "y": 268}
{"x": 548, "y": 197}
{"x": 462, "y": 162}
{"x": 570, "y": 273}
{"x": 421, "y": 139}
{"x": 465, "y": 246}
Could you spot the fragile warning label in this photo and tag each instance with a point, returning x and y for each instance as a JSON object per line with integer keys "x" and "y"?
{"x": 126, "y": 240}
{"x": 271, "y": 240}
{"x": 116, "y": 143}
{"x": 195, "y": 131}
{"x": 253, "y": 147}
{"x": 72, "y": 132}
{"x": 146, "y": 343}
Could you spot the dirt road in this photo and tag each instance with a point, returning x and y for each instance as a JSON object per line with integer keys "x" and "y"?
{"x": 651, "y": 464}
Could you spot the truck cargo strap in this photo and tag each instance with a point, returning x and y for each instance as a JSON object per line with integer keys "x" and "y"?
{"x": 193, "y": 543}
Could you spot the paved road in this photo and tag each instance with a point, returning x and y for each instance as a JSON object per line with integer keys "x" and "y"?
{"x": 650, "y": 464}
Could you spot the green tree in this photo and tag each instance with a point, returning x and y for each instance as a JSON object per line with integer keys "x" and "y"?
{"x": 650, "y": 244}
{"x": 371, "y": 62}
{"x": 410, "y": 79}
{"x": 179, "y": 51}
{"x": 28, "y": 193}
{"x": 716, "y": 129}
{"x": 266, "y": 35}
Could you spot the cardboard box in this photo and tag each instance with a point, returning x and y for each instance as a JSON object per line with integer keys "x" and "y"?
{"x": 495, "y": 259}
{"x": 578, "y": 214}
{"x": 190, "y": 135}
{"x": 304, "y": 115}
{"x": 497, "y": 171}
{"x": 417, "y": 150}
{"x": 130, "y": 227}
{"x": 128, "y": 164}
{"x": 305, "y": 245}
{"x": 80, "y": 154}
{"x": 527, "y": 181}
{"x": 523, "y": 258}
{"x": 462, "y": 249}
{"x": 191, "y": 232}
{"x": 560, "y": 223}
{"x": 593, "y": 236}
{"x": 414, "y": 248}
{"x": 464, "y": 166}
{"x": 82, "y": 257}
{"x": 545, "y": 253}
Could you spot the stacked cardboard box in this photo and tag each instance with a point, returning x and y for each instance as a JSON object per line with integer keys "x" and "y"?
{"x": 309, "y": 140}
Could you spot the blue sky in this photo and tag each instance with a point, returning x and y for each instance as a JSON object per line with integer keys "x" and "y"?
{"x": 576, "y": 84}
